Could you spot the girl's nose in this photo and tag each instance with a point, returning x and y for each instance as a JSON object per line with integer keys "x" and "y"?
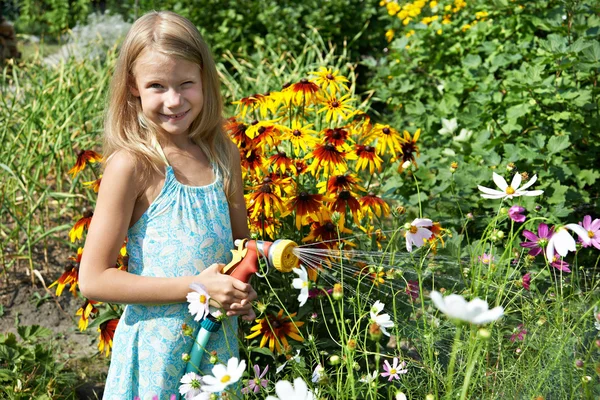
{"x": 173, "y": 99}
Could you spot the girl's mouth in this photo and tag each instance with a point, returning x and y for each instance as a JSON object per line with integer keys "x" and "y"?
{"x": 175, "y": 117}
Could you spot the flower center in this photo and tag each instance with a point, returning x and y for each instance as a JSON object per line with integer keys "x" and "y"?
{"x": 202, "y": 299}
{"x": 335, "y": 104}
{"x": 329, "y": 77}
{"x": 510, "y": 190}
{"x": 542, "y": 242}
{"x": 590, "y": 234}
{"x": 392, "y": 371}
{"x": 195, "y": 384}
{"x": 225, "y": 379}
{"x": 413, "y": 229}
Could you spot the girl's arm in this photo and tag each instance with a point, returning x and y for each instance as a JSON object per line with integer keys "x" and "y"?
{"x": 98, "y": 277}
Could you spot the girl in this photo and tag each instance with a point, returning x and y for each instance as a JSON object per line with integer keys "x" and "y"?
{"x": 172, "y": 185}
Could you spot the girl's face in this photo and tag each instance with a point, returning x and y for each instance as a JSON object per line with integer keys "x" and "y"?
{"x": 170, "y": 90}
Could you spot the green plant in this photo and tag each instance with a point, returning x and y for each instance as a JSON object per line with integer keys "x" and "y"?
{"x": 28, "y": 368}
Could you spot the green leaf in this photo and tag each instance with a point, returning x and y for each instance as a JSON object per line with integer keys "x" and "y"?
{"x": 539, "y": 141}
{"x": 262, "y": 350}
{"x": 471, "y": 61}
{"x": 585, "y": 97}
{"x": 592, "y": 53}
{"x": 558, "y": 143}
{"x": 31, "y": 332}
{"x": 517, "y": 111}
{"x": 587, "y": 177}
{"x": 558, "y": 194}
{"x": 564, "y": 115}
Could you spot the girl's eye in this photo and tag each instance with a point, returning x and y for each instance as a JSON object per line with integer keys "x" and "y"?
{"x": 155, "y": 86}
{"x": 188, "y": 83}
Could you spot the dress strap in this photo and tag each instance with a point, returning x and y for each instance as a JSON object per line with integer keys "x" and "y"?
{"x": 161, "y": 152}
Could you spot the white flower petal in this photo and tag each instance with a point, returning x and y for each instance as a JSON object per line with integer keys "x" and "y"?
{"x": 516, "y": 181}
{"x": 580, "y": 231}
{"x": 488, "y": 316}
{"x": 494, "y": 196}
{"x": 499, "y": 181}
{"x": 419, "y": 222}
{"x": 531, "y": 193}
{"x": 529, "y": 183}
{"x": 563, "y": 242}
{"x": 490, "y": 191}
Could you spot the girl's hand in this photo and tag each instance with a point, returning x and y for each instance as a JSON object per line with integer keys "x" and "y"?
{"x": 232, "y": 294}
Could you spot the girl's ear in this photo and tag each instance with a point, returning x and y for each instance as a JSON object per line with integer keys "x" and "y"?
{"x": 133, "y": 87}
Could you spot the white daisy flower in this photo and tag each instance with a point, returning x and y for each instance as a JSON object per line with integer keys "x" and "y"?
{"x": 476, "y": 311}
{"x": 286, "y": 391}
{"x": 198, "y": 301}
{"x": 509, "y": 191}
{"x": 191, "y": 383}
{"x": 383, "y": 320}
{"x": 562, "y": 242}
{"x": 223, "y": 376}
{"x": 301, "y": 283}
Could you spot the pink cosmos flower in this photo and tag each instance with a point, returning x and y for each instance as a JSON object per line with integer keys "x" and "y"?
{"x": 515, "y": 213}
{"x": 526, "y": 281}
{"x": 539, "y": 242}
{"x": 486, "y": 258}
{"x": 417, "y": 232}
{"x": 393, "y": 370}
{"x": 258, "y": 381}
{"x": 560, "y": 264}
{"x": 593, "y": 231}
{"x": 519, "y": 334}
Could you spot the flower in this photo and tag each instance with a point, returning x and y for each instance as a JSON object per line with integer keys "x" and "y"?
{"x": 526, "y": 281}
{"x": 519, "y": 334}
{"x": 258, "y": 381}
{"x": 486, "y": 258}
{"x": 223, "y": 376}
{"x": 387, "y": 138}
{"x": 539, "y": 242}
{"x": 301, "y": 283}
{"x": 198, "y": 300}
{"x": 448, "y": 126}
{"x": 367, "y": 157}
{"x": 416, "y": 233}
{"x": 305, "y": 204}
{"x": 85, "y": 311}
{"x": 409, "y": 148}
{"x": 560, "y": 264}
{"x": 70, "y": 276}
{"x": 107, "y": 332}
{"x": 593, "y": 231}
{"x": 94, "y": 184}
{"x": 508, "y": 192}
{"x": 393, "y": 370}
{"x": 563, "y": 242}
{"x": 515, "y": 213}
{"x": 275, "y": 328}
{"x": 329, "y": 78}
{"x": 286, "y": 391}
{"x": 336, "y": 108}
{"x": 265, "y": 199}
{"x": 383, "y": 320}
{"x": 371, "y": 203}
{"x": 368, "y": 378}
{"x": 191, "y": 383}
{"x": 84, "y": 157}
{"x": 476, "y": 311}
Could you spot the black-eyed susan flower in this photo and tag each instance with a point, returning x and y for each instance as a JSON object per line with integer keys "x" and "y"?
{"x": 329, "y": 159}
{"x": 387, "y": 139}
{"x": 372, "y": 204}
{"x": 275, "y": 329}
{"x": 367, "y": 158}
{"x": 328, "y": 78}
{"x": 336, "y": 107}
{"x": 301, "y": 137}
{"x": 264, "y": 132}
{"x": 83, "y": 158}
{"x": 337, "y": 137}
{"x": 253, "y": 162}
{"x": 70, "y": 276}
{"x": 107, "y": 332}
{"x": 306, "y": 205}
{"x": 281, "y": 162}
{"x": 305, "y": 92}
{"x": 338, "y": 183}
{"x": 265, "y": 227}
{"x": 247, "y": 104}
{"x": 82, "y": 224}
{"x": 323, "y": 229}
{"x": 237, "y": 132}
{"x": 87, "y": 310}
{"x": 263, "y": 200}
{"x": 347, "y": 200}
{"x": 409, "y": 148}
{"x": 95, "y": 185}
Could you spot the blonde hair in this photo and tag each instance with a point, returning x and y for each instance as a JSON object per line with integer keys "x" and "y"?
{"x": 125, "y": 126}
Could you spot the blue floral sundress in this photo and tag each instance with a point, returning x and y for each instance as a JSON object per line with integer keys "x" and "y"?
{"x": 185, "y": 230}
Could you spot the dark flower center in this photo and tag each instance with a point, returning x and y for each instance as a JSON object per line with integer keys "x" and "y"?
{"x": 262, "y": 130}
{"x": 303, "y": 80}
{"x": 386, "y": 131}
{"x": 329, "y": 147}
{"x": 329, "y": 77}
{"x": 335, "y": 104}
{"x": 254, "y": 122}
{"x": 330, "y": 226}
{"x": 281, "y": 154}
{"x": 286, "y": 85}
{"x": 296, "y": 132}
{"x": 345, "y": 195}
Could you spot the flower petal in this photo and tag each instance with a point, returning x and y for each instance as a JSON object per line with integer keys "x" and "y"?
{"x": 529, "y": 183}
{"x": 499, "y": 181}
{"x": 516, "y": 181}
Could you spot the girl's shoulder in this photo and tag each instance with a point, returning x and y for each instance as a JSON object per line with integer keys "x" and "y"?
{"x": 124, "y": 168}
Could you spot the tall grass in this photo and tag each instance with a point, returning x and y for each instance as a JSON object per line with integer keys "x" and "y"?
{"x": 47, "y": 114}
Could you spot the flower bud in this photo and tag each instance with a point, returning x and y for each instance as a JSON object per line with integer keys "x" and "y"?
{"x": 586, "y": 379}
{"x": 510, "y": 166}
{"x": 598, "y": 343}
{"x": 213, "y": 357}
{"x": 375, "y": 332}
{"x": 453, "y": 167}
{"x": 338, "y": 291}
{"x": 334, "y": 360}
{"x": 400, "y": 210}
{"x": 470, "y": 216}
{"x": 578, "y": 363}
{"x": 500, "y": 235}
{"x": 503, "y": 211}
{"x": 185, "y": 357}
{"x": 483, "y": 333}
{"x": 430, "y": 397}
{"x": 405, "y": 164}
{"x": 351, "y": 346}
{"x": 187, "y": 330}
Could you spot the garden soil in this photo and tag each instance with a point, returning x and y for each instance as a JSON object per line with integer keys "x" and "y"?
{"x": 30, "y": 303}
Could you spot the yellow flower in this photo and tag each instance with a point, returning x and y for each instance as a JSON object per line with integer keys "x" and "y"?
{"x": 300, "y": 137}
{"x": 389, "y": 35}
{"x": 327, "y": 78}
{"x": 274, "y": 329}
{"x": 336, "y": 107}
{"x": 392, "y": 8}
